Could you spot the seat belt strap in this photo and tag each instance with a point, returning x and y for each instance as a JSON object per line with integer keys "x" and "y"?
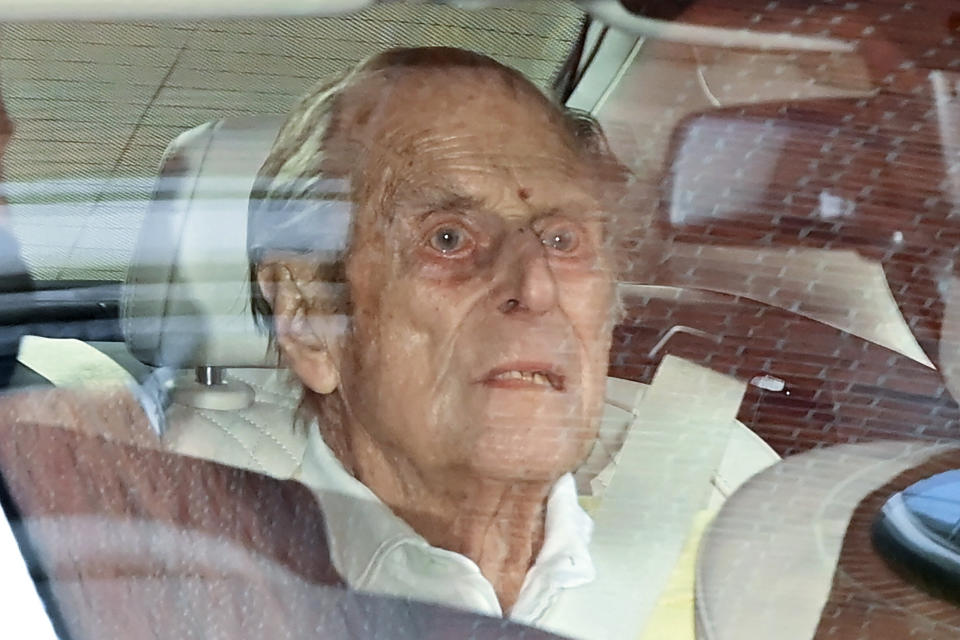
{"x": 661, "y": 482}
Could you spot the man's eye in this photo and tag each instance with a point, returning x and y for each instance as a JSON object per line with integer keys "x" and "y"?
{"x": 562, "y": 240}
{"x": 448, "y": 240}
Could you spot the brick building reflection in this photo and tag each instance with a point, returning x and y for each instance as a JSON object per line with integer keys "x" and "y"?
{"x": 815, "y": 194}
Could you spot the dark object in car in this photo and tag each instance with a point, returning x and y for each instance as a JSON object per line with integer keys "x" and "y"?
{"x": 917, "y": 532}
{"x": 15, "y": 280}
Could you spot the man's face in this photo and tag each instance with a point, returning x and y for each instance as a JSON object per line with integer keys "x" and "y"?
{"x": 481, "y": 285}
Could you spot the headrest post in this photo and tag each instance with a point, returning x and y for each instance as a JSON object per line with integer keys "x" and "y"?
{"x": 211, "y": 390}
{"x": 209, "y": 376}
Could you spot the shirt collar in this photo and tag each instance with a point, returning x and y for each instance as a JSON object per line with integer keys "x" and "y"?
{"x": 564, "y": 560}
{"x": 358, "y": 524}
{"x": 362, "y": 531}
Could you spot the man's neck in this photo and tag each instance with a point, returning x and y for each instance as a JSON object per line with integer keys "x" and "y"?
{"x": 499, "y": 525}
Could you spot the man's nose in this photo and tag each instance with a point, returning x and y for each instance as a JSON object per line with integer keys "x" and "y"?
{"x": 529, "y": 284}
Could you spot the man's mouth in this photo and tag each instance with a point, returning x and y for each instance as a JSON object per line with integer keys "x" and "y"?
{"x": 515, "y": 377}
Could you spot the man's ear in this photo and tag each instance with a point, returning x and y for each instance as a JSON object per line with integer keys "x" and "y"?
{"x": 307, "y": 338}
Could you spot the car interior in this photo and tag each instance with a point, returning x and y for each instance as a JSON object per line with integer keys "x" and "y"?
{"x": 781, "y": 399}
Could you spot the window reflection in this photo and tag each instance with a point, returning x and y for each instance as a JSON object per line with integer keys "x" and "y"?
{"x": 771, "y": 255}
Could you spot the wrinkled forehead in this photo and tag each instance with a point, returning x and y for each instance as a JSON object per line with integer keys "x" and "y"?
{"x": 471, "y": 133}
{"x": 456, "y": 95}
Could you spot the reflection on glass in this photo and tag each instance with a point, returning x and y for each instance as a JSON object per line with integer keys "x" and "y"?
{"x": 936, "y": 503}
{"x": 509, "y": 370}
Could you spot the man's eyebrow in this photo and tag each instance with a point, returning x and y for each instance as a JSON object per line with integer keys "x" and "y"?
{"x": 434, "y": 198}
{"x": 452, "y": 201}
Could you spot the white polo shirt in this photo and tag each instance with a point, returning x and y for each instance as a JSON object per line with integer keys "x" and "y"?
{"x": 376, "y": 551}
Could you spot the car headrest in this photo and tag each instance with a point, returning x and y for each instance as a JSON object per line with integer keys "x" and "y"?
{"x": 186, "y": 302}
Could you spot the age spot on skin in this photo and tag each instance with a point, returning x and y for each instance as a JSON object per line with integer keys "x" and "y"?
{"x": 523, "y": 193}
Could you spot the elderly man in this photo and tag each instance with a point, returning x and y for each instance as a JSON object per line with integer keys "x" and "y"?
{"x": 453, "y": 353}
{"x": 469, "y": 381}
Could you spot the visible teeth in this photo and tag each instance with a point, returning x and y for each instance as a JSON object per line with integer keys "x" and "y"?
{"x": 526, "y": 376}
